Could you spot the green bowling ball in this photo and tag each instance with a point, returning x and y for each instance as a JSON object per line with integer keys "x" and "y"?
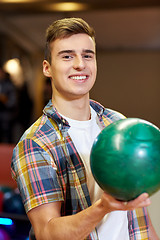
{"x": 125, "y": 158}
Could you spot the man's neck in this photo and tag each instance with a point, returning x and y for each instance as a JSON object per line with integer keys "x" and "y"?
{"x": 78, "y": 109}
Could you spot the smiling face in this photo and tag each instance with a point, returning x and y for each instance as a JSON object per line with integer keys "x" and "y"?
{"x": 73, "y": 66}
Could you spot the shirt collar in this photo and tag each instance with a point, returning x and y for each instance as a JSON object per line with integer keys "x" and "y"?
{"x": 52, "y": 112}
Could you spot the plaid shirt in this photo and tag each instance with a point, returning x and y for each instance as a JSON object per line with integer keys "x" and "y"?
{"x": 48, "y": 168}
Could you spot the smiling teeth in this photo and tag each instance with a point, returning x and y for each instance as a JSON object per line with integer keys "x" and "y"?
{"x": 79, "y": 77}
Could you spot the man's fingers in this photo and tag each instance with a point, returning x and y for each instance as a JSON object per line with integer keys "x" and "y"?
{"x": 112, "y": 204}
{"x": 142, "y": 200}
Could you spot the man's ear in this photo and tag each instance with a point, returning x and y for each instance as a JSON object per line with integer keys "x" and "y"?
{"x": 46, "y": 68}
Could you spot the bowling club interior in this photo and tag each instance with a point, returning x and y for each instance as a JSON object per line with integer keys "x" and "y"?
{"x": 128, "y": 79}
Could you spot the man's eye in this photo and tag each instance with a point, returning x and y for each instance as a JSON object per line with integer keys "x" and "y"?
{"x": 67, "y": 57}
{"x": 87, "y": 56}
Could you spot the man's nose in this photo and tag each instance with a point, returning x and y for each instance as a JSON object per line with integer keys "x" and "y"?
{"x": 79, "y": 63}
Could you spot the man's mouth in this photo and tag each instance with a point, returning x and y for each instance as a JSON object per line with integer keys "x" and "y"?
{"x": 84, "y": 77}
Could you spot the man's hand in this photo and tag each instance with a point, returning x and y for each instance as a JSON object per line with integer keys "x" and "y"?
{"x": 111, "y": 204}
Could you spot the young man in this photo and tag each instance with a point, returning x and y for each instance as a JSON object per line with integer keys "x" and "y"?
{"x": 51, "y": 161}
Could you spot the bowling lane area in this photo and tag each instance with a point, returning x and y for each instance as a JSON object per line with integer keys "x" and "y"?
{"x": 14, "y": 224}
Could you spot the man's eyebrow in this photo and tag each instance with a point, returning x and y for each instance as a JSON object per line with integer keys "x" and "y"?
{"x": 88, "y": 51}
{"x": 73, "y": 51}
{"x": 65, "y": 51}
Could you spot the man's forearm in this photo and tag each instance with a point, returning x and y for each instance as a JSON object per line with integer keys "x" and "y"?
{"x": 76, "y": 227}
{"x": 49, "y": 225}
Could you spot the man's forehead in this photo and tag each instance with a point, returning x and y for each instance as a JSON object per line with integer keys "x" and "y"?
{"x": 76, "y": 42}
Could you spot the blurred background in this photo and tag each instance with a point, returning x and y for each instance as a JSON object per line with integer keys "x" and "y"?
{"x": 128, "y": 80}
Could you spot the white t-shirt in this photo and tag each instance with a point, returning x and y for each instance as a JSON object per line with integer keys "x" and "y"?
{"x": 114, "y": 225}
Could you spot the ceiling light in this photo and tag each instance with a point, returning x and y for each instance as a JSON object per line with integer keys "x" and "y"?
{"x": 67, "y": 6}
{"x": 16, "y": 1}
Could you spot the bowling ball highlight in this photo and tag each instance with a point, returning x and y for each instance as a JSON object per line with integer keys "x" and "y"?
{"x": 125, "y": 158}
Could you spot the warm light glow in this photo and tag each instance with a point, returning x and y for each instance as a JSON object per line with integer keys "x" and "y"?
{"x": 13, "y": 67}
{"x": 62, "y": 6}
{"x": 16, "y": 1}
{"x": 67, "y": 6}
